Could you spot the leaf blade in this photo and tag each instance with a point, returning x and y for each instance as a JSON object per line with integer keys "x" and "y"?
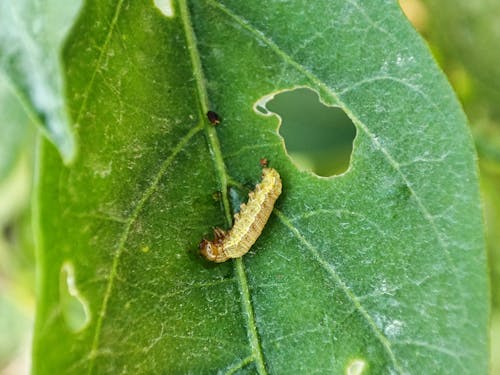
{"x": 327, "y": 269}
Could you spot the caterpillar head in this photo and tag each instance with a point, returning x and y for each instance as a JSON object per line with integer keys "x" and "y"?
{"x": 213, "y": 250}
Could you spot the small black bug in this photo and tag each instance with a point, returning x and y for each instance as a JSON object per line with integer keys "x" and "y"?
{"x": 213, "y": 117}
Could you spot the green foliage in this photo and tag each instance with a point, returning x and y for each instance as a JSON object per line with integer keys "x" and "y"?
{"x": 381, "y": 268}
{"x": 31, "y": 37}
{"x": 465, "y": 34}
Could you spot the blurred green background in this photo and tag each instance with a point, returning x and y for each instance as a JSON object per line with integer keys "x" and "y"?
{"x": 464, "y": 37}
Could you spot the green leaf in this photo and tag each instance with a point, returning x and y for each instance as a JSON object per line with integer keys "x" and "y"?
{"x": 31, "y": 39}
{"x": 380, "y": 270}
{"x": 465, "y": 35}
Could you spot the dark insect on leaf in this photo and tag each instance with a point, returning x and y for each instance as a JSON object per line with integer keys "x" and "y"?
{"x": 213, "y": 117}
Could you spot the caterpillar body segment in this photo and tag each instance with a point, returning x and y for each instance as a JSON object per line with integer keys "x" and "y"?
{"x": 248, "y": 223}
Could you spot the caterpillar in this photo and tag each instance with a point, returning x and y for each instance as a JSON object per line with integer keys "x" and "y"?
{"x": 248, "y": 223}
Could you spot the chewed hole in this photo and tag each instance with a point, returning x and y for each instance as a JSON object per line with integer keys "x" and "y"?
{"x": 355, "y": 367}
{"x": 165, "y": 6}
{"x": 317, "y": 137}
{"x": 74, "y": 307}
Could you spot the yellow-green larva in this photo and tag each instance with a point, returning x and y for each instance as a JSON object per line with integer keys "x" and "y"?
{"x": 248, "y": 223}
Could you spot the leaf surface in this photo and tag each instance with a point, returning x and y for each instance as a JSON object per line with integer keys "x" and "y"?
{"x": 31, "y": 39}
{"x": 381, "y": 268}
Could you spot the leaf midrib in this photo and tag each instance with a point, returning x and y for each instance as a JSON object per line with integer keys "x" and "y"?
{"x": 214, "y": 146}
{"x": 216, "y": 153}
{"x": 395, "y": 165}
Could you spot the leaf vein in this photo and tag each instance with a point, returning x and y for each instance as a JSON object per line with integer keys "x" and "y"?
{"x": 216, "y": 153}
{"x": 238, "y": 366}
{"x": 123, "y": 238}
{"x": 436, "y": 348}
{"x": 347, "y": 291}
{"x": 102, "y": 53}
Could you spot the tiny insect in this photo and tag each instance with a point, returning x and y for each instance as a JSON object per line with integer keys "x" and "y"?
{"x": 263, "y": 162}
{"x": 213, "y": 118}
{"x": 248, "y": 223}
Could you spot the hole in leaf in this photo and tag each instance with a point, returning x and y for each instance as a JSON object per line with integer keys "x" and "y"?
{"x": 356, "y": 367}
{"x": 317, "y": 137}
{"x": 165, "y": 6}
{"x": 74, "y": 307}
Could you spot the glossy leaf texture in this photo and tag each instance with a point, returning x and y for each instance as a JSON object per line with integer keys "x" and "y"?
{"x": 380, "y": 270}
